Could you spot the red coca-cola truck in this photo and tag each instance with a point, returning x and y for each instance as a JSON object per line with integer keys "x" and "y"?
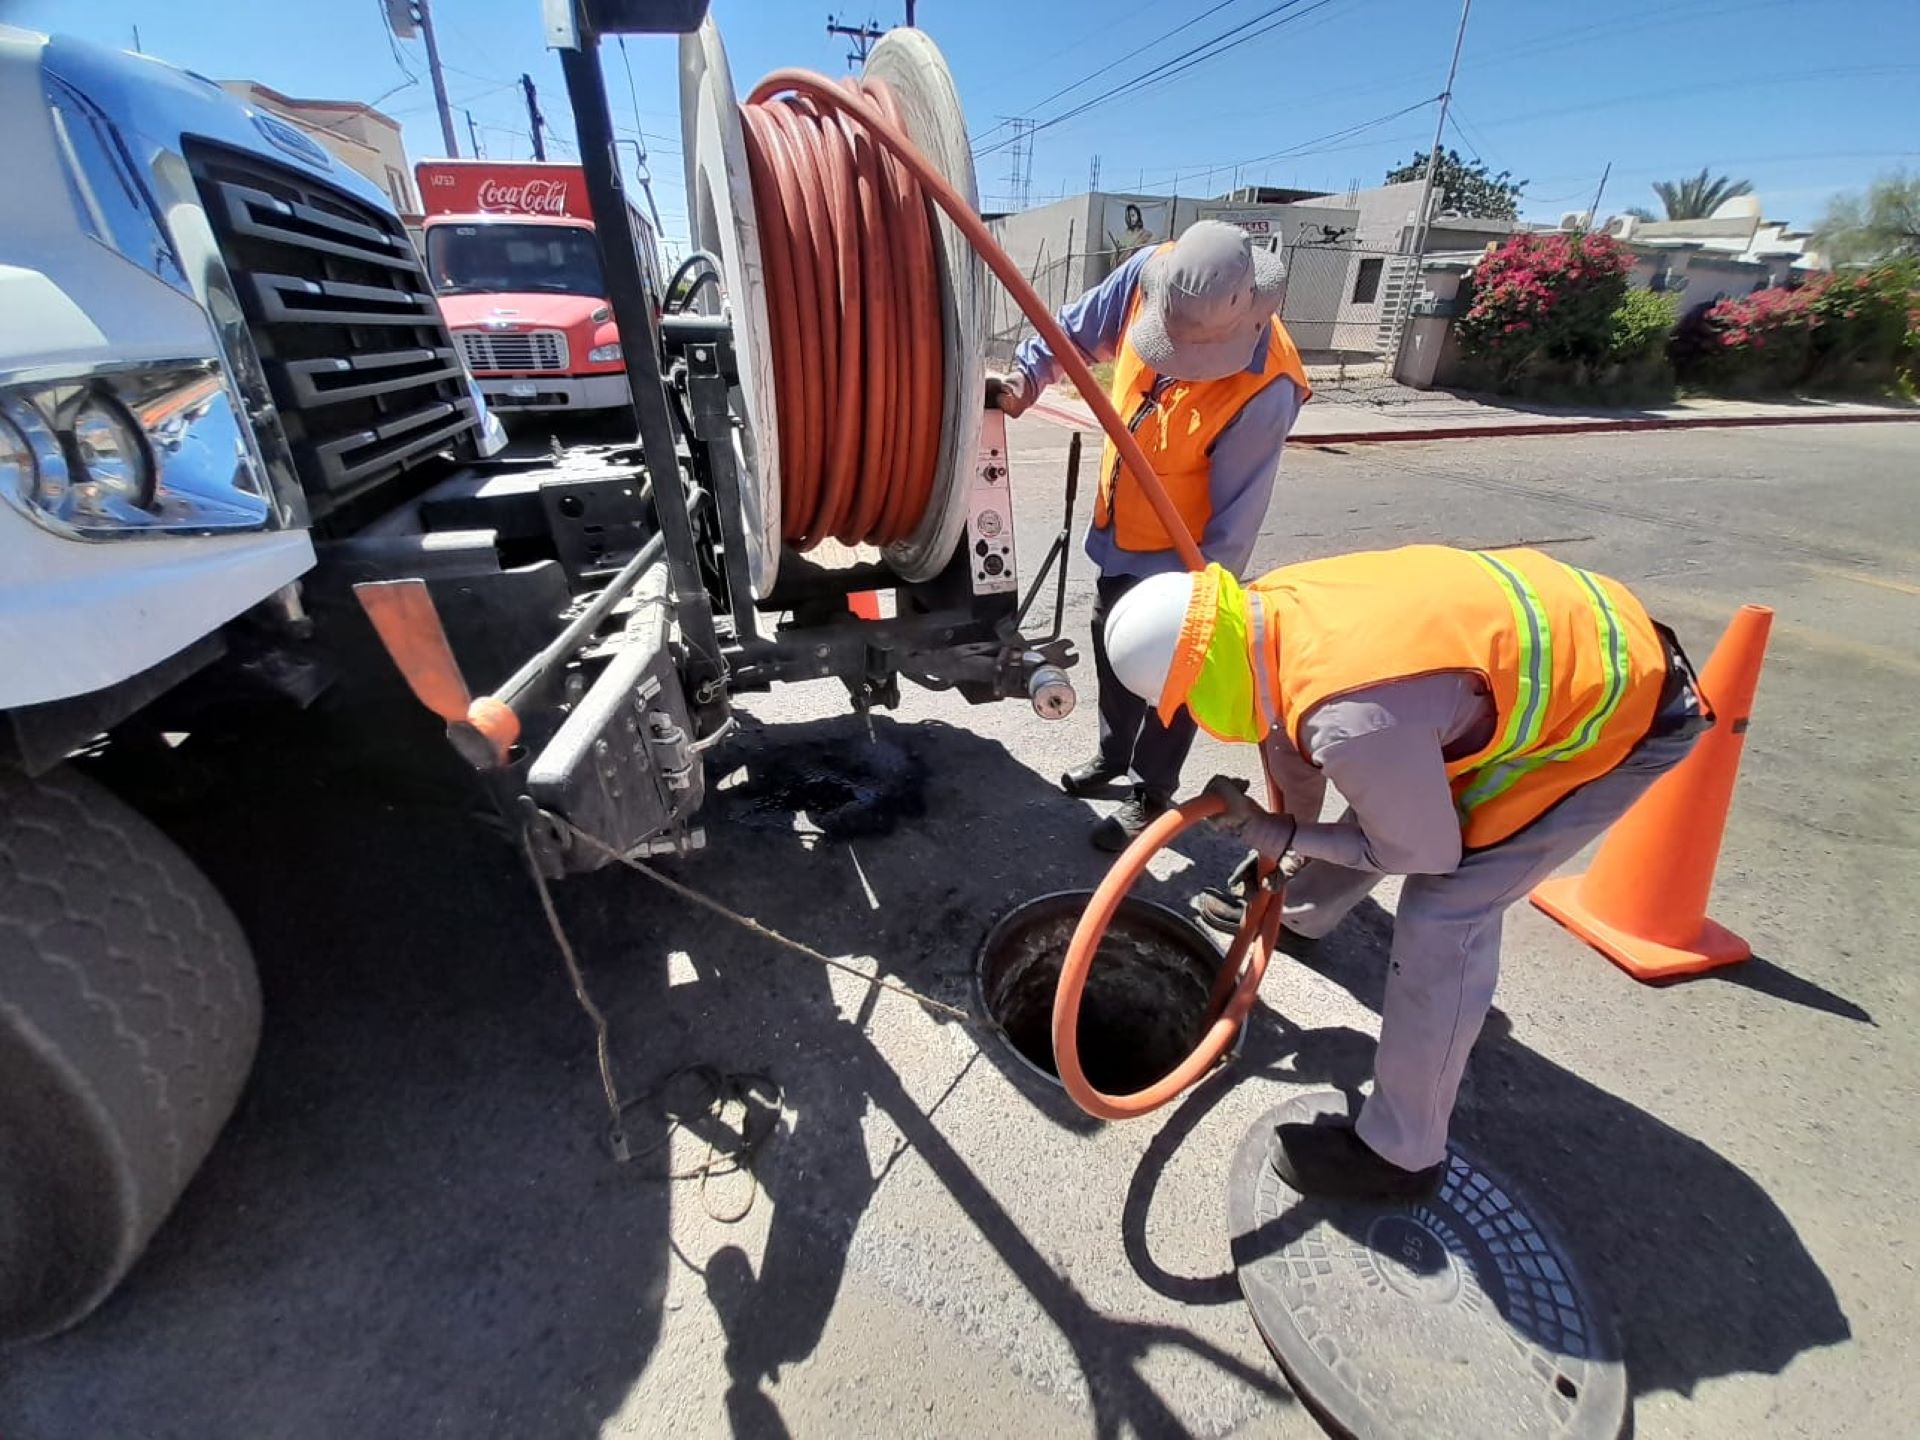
{"x": 511, "y": 249}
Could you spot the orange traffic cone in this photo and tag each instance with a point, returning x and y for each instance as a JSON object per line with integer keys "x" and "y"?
{"x": 865, "y": 604}
{"x": 1644, "y": 902}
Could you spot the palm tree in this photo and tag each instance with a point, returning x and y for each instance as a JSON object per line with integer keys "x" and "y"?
{"x": 1698, "y": 196}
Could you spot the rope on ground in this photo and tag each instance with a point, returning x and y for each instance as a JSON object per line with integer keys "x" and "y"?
{"x": 743, "y": 1091}
{"x": 766, "y": 932}
{"x": 602, "y": 1048}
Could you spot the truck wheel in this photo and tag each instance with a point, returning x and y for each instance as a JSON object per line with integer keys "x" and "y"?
{"x": 129, "y": 1012}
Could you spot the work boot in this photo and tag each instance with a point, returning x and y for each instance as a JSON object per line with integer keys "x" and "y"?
{"x": 1123, "y": 826}
{"x": 1329, "y": 1159}
{"x": 1091, "y": 777}
{"x": 1224, "y": 912}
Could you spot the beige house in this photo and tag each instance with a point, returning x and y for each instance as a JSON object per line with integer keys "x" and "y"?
{"x": 358, "y": 135}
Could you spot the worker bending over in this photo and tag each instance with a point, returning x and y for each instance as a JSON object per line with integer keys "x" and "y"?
{"x": 1485, "y": 714}
{"x": 1208, "y": 381}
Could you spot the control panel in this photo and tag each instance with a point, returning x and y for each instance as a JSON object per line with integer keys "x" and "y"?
{"x": 990, "y": 513}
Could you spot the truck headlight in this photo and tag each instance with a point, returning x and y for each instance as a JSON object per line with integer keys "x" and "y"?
{"x": 601, "y": 354}
{"x": 156, "y": 449}
{"x": 112, "y": 465}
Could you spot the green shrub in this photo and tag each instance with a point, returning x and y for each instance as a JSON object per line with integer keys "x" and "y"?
{"x": 1849, "y": 332}
{"x": 1542, "y": 301}
{"x": 1639, "y": 326}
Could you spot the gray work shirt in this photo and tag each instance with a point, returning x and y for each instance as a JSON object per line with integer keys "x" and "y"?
{"x": 1244, "y": 460}
{"x": 1386, "y": 749}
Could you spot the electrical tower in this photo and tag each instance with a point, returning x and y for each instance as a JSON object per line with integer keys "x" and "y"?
{"x": 1019, "y": 161}
{"x": 861, "y": 36}
{"x": 1093, "y": 175}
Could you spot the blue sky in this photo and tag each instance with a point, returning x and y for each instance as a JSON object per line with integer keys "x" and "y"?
{"x": 1802, "y": 98}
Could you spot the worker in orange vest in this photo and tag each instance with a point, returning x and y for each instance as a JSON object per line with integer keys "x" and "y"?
{"x": 1210, "y": 383}
{"x": 1485, "y": 714}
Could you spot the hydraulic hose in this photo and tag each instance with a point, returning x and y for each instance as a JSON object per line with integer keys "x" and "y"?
{"x": 813, "y": 174}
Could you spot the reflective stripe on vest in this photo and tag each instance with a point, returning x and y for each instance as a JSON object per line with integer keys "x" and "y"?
{"x": 1262, "y": 663}
{"x": 1513, "y": 761}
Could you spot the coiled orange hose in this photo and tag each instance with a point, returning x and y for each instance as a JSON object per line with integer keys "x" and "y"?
{"x": 853, "y": 294}
{"x": 789, "y": 183}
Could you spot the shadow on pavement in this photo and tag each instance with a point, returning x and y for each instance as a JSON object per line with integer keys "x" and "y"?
{"x": 1704, "y": 1274}
{"x": 1763, "y": 977}
{"x": 843, "y": 789}
{"x": 411, "y": 1226}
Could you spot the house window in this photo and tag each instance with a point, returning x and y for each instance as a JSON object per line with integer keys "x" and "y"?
{"x": 397, "y": 187}
{"x": 1366, "y": 282}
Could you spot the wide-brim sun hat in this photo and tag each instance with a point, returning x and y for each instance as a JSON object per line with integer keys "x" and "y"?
{"x": 1205, "y": 303}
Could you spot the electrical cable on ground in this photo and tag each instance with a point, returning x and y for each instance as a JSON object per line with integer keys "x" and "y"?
{"x": 765, "y": 932}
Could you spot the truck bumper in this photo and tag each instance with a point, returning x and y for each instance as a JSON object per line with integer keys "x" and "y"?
{"x": 512, "y": 394}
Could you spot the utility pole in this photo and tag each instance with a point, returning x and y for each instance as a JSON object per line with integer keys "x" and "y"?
{"x": 862, "y": 37}
{"x": 423, "y": 12}
{"x": 1593, "y": 210}
{"x": 1411, "y": 281}
{"x": 534, "y": 120}
{"x": 473, "y": 135}
{"x": 1019, "y": 161}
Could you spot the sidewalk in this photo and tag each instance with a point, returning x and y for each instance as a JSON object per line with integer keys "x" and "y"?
{"x": 1371, "y": 411}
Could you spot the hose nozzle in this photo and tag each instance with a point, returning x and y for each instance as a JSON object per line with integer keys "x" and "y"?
{"x": 1051, "y": 692}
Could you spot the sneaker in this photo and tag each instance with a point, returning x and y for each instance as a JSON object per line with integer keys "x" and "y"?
{"x": 1092, "y": 777}
{"x": 1123, "y": 826}
{"x": 1330, "y": 1159}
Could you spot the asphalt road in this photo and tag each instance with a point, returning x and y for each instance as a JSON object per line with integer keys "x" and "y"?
{"x": 411, "y": 1227}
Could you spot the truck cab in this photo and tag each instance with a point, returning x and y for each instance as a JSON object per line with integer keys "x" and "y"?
{"x": 512, "y": 251}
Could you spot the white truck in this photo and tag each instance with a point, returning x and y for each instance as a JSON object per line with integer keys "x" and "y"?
{"x": 234, "y": 429}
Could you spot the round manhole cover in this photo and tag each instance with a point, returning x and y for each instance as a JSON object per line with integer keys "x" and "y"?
{"x": 1459, "y": 1315}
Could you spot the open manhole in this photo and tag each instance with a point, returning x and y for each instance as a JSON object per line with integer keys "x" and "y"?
{"x": 1145, "y": 1005}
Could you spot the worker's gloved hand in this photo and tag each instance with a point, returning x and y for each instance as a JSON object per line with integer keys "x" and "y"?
{"x": 1011, "y": 393}
{"x": 1240, "y": 807}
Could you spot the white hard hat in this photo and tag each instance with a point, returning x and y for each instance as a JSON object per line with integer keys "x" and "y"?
{"x": 1144, "y": 631}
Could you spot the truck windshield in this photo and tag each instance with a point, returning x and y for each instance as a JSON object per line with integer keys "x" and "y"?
{"x": 507, "y": 257}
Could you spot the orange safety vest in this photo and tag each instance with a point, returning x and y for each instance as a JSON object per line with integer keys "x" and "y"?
{"x": 1574, "y": 666}
{"x": 1177, "y": 432}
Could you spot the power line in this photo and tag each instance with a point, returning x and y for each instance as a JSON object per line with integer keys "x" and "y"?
{"x": 1751, "y": 82}
{"x": 1460, "y": 130}
{"x": 1309, "y": 147}
{"x": 1138, "y": 49}
{"x": 1186, "y": 60}
{"x": 1166, "y": 69}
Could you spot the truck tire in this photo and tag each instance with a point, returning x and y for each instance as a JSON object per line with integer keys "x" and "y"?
{"x": 129, "y": 1012}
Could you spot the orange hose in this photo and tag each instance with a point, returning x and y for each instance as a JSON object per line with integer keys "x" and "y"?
{"x": 1235, "y": 988}
{"x": 853, "y": 296}
{"x": 933, "y": 185}
{"x": 780, "y": 189}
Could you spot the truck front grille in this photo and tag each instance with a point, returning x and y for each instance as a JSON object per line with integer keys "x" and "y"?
{"x": 356, "y": 354}
{"x": 487, "y": 350}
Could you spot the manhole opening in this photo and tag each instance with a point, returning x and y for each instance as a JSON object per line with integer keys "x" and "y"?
{"x": 1145, "y": 1005}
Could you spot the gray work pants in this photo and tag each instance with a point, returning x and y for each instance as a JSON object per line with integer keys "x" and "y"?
{"x": 1131, "y": 735}
{"x": 1446, "y": 950}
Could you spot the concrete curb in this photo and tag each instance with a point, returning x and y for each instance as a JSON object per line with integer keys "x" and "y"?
{"x": 1594, "y": 427}
{"x": 1073, "y": 420}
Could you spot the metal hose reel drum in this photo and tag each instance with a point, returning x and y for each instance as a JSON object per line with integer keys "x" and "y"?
{"x": 726, "y": 221}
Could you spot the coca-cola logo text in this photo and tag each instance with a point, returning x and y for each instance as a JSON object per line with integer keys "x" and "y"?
{"x": 525, "y": 197}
